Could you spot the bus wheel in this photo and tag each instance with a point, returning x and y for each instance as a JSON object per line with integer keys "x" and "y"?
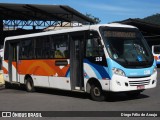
{"x": 133, "y": 94}
{"x": 29, "y": 85}
{"x": 97, "y": 93}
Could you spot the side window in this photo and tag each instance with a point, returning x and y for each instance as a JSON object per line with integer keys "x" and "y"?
{"x": 60, "y": 44}
{"x": 93, "y": 46}
{"x": 48, "y": 48}
{"x": 43, "y": 48}
{"x": 26, "y": 49}
{"x": 38, "y": 47}
{"x": 6, "y": 50}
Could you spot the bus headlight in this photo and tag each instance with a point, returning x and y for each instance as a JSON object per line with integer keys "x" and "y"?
{"x": 118, "y": 72}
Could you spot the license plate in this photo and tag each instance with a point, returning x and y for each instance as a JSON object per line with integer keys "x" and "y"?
{"x": 140, "y": 87}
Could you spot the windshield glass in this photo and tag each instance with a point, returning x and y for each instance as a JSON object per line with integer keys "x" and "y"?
{"x": 127, "y": 47}
{"x": 157, "y": 49}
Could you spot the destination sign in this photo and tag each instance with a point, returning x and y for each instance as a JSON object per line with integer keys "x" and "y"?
{"x": 119, "y": 34}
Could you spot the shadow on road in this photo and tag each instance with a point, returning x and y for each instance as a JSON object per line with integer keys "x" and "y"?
{"x": 62, "y": 93}
{"x": 114, "y": 97}
{"x": 117, "y": 97}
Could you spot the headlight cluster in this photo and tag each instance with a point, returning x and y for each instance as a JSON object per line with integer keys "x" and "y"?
{"x": 118, "y": 71}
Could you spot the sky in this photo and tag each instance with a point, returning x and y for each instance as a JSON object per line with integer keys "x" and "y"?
{"x": 106, "y": 10}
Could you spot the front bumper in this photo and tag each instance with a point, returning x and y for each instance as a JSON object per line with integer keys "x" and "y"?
{"x": 121, "y": 83}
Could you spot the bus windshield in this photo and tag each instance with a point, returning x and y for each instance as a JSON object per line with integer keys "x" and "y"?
{"x": 127, "y": 47}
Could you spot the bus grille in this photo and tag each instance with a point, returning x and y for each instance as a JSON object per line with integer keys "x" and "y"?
{"x": 140, "y": 82}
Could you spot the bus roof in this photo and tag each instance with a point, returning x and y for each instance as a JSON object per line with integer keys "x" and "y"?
{"x": 87, "y": 27}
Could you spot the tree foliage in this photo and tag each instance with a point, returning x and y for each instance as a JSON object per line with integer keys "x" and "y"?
{"x": 96, "y": 19}
{"x": 154, "y": 19}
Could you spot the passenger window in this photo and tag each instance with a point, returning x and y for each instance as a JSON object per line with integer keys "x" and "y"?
{"x": 26, "y": 49}
{"x": 44, "y": 47}
{"x": 60, "y": 44}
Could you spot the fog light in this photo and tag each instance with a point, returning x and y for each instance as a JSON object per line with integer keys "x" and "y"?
{"x": 153, "y": 81}
{"x": 126, "y": 84}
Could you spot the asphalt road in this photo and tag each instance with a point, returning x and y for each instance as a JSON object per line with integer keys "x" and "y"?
{"x": 18, "y": 99}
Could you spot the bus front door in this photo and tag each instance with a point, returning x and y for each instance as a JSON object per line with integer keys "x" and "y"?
{"x": 76, "y": 61}
{"x": 13, "y": 62}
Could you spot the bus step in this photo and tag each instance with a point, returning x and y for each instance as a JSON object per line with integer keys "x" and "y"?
{"x": 77, "y": 88}
{"x": 78, "y": 91}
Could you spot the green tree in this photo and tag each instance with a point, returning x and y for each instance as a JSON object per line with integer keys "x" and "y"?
{"x": 96, "y": 19}
{"x": 155, "y": 19}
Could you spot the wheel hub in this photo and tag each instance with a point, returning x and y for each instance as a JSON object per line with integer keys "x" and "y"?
{"x": 96, "y": 91}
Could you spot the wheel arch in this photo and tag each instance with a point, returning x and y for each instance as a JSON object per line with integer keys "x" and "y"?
{"x": 26, "y": 77}
{"x": 90, "y": 82}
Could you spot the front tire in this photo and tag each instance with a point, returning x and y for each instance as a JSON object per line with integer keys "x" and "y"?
{"x": 29, "y": 85}
{"x": 97, "y": 93}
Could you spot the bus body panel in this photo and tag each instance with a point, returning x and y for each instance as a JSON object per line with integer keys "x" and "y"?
{"x": 120, "y": 83}
{"x": 38, "y": 67}
{"x": 116, "y": 83}
{"x": 43, "y": 72}
{"x": 134, "y": 79}
{"x": 42, "y": 81}
{"x": 60, "y": 83}
{"x": 132, "y": 72}
{"x": 95, "y": 71}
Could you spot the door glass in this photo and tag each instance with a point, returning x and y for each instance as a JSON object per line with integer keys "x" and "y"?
{"x": 95, "y": 50}
{"x": 76, "y": 55}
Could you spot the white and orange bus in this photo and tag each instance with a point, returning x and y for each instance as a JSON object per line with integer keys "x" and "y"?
{"x": 92, "y": 59}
